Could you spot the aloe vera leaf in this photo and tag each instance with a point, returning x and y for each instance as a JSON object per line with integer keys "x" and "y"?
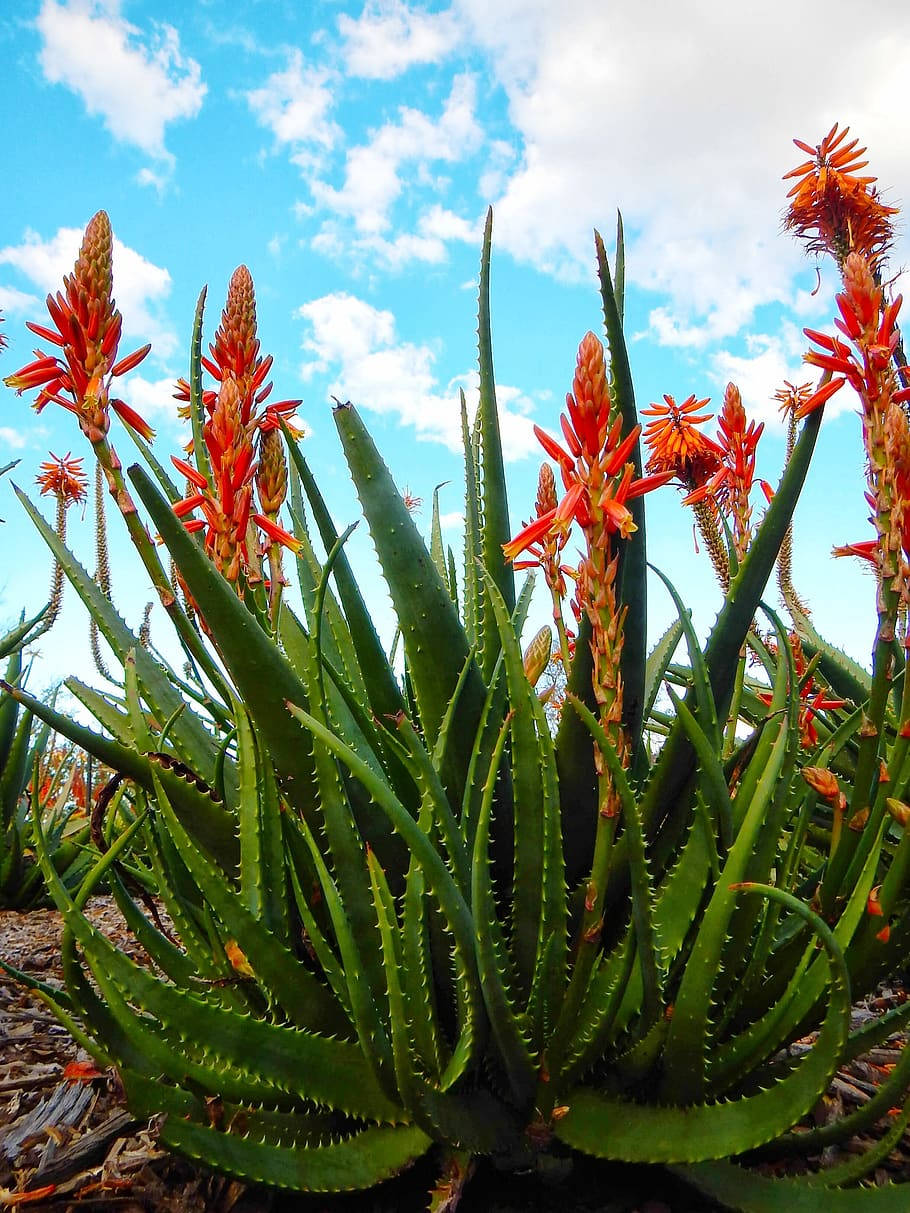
{"x": 598, "y": 1021}
{"x": 359, "y": 1160}
{"x": 9, "y": 705}
{"x": 684, "y": 1056}
{"x": 110, "y": 752}
{"x": 607, "y": 1126}
{"x": 308, "y": 1003}
{"x": 631, "y": 573}
{"x": 453, "y": 577}
{"x": 262, "y": 675}
{"x": 210, "y": 825}
{"x": 530, "y": 750}
{"x": 701, "y": 685}
{"x": 197, "y": 408}
{"x": 172, "y": 960}
{"x": 674, "y": 766}
{"x": 575, "y": 763}
{"x": 508, "y": 1026}
{"x": 263, "y": 882}
{"x": 425, "y": 775}
{"x": 340, "y": 822}
{"x": 383, "y": 691}
{"x": 339, "y": 645}
{"x": 390, "y": 934}
{"x": 658, "y": 660}
{"x": 494, "y": 500}
{"x": 263, "y": 1056}
{"x": 437, "y": 874}
{"x": 190, "y": 737}
{"x": 167, "y": 485}
{"x": 437, "y": 549}
{"x": 363, "y": 993}
{"x": 417, "y": 968}
{"x": 745, "y": 1190}
{"x": 16, "y": 637}
{"x": 13, "y": 771}
{"x": 711, "y": 774}
{"x": 473, "y": 553}
{"x": 641, "y": 884}
{"x": 435, "y": 644}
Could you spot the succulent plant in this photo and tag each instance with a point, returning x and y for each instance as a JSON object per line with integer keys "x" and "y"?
{"x": 410, "y": 916}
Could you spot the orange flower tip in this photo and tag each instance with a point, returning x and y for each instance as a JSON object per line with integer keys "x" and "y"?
{"x": 192, "y": 474}
{"x": 817, "y": 399}
{"x": 45, "y": 334}
{"x": 131, "y": 418}
{"x": 188, "y": 504}
{"x": 130, "y": 361}
{"x": 278, "y": 533}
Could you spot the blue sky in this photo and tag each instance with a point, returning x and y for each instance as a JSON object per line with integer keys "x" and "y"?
{"x": 347, "y": 152}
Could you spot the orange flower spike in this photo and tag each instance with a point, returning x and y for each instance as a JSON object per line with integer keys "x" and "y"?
{"x": 677, "y": 445}
{"x": 87, "y": 327}
{"x": 831, "y": 208}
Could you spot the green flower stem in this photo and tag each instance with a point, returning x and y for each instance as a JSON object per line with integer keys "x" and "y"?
{"x": 735, "y": 704}
{"x": 190, "y": 639}
{"x": 559, "y": 623}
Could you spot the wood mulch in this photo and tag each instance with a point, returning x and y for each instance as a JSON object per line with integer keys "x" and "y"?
{"x": 67, "y": 1141}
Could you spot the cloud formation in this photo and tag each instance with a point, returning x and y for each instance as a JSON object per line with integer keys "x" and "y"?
{"x": 373, "y": 178}
{"x": 295, "y": 104}
{"x": 389, "y": 37}
{"x": 356, "y": 346}
{"x": 682, "y": 117}
{"x": 141, "y": 288}
{"x": 136, "y": 83}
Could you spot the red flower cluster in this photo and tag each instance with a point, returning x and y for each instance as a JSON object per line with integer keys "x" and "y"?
{"x": 832, "y": 208}
{"x": 86, "y": 329}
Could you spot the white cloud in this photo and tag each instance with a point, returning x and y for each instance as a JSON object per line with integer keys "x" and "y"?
{"x": 13, "y": 300}
{"x": 682, "y": 115}
{"x": 140, "y": 287}
{"x": 12, "y": 439}
{"x": 356, "y": 345}
{"x": 137, "y": 85}
{"x": 373, "y": 177}
{"x": 295, "y": 105}
{"x": 153, "y": 399}
{"x": 389, "y": 37}
{"x": 770, "y": 359}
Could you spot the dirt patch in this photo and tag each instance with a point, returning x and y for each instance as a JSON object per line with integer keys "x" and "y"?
{"x": 67, "y": 1141}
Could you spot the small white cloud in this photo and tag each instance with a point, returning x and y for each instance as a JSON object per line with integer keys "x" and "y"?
{"x": 136, "y": 85}
{"x": 373, "y": 179}
{"x": 770, "y": 359}
{"x": 356, "y": 345}
{"x": 295, "y": 105}
{"x": 156, "y": 181}
{"x": 389, "y": 37}
{"x": 140, "y": 287}
{"x": 12, "y": 300}
{"x": 12, "y": 438}
{"x": 153, "y": 399}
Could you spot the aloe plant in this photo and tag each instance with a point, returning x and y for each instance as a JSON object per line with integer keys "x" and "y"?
{"x": 407, "y": 917}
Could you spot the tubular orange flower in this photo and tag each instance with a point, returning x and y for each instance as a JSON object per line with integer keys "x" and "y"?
{"x": 64, "y": 478}
{"x": 831, "y": 208}
{"x": 730, "y": 486}
{"x": 677, "y": 445}
{"x": 86, "y": 329}
{"x": 235, "y": 353}
{"x": 811, "y": 701}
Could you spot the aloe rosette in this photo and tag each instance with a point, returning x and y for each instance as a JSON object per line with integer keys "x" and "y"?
{"x": 410, "y": 917}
